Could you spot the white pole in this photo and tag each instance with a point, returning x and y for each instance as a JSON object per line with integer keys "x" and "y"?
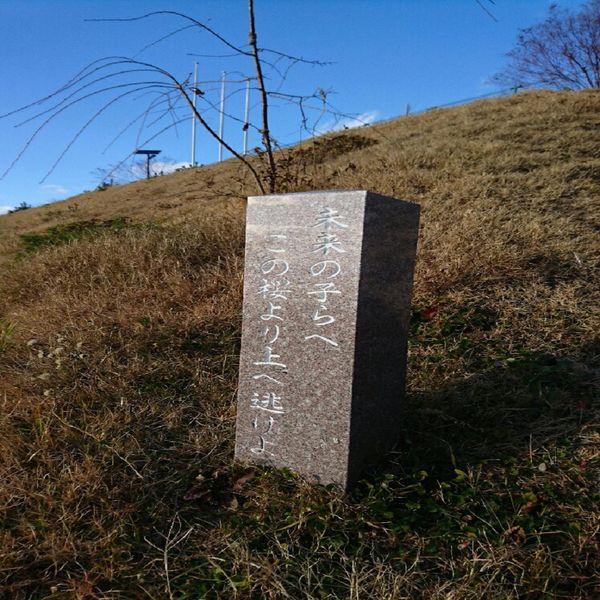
{"x": 222, "y": 119}
{"x": 194, "y": 90}
{"x": 246, "y": 114}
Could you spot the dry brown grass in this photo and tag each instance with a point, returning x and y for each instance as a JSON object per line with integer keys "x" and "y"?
{"x": 118, "y": 365}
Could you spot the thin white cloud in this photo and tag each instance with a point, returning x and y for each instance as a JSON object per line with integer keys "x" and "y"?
{"x": 53, "y": 188}
{"x": 167, "y": 167}
{"x": 365, "y": 118}
{"x": 5, "y": 209}
{"x": 158, "y": 167}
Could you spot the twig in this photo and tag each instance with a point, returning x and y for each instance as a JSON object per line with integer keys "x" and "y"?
{"x": 266, "y": 135}
{"x": 169, "y": 544}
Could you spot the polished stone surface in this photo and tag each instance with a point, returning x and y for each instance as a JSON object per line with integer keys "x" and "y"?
{"x": 328, "y": 280}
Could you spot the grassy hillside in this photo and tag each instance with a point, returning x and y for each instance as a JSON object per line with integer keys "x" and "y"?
{"x": 120, "y": 316}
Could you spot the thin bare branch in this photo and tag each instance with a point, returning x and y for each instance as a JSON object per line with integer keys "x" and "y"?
{"x": 83, "y": 128}
{"x": 297, "y": 59}
{"x": 487, "y": 10}
{"x": 181, "y": 16}
{"x": 163, "y": 38}
{"x": 133, "y": 121}
{"x": 67, "y": 106}
{"x": 266, "y": 134}
{"x": 144, "y": 143}
{"x": 212, "y": 132}
{"x": 82, "y": 75}
{"x": 77, "y": 91}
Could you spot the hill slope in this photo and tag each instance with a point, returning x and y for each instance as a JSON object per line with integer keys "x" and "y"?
{"x": 118, "y": 365}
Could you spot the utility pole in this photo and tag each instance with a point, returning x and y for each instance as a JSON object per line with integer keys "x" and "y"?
{"x": 222, "y": 81}
{"x": 195, "y": 91}
{"x": 222, "y": 117}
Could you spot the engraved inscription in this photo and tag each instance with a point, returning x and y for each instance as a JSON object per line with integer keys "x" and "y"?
{"x": 266, "y": 404}
{"x": 329, "y": 224}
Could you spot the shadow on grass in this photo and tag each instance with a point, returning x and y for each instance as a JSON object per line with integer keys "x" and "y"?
{"x": 500, "y": 411}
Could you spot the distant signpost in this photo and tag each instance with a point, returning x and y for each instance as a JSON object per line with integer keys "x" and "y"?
{"x": 149, "y": 154}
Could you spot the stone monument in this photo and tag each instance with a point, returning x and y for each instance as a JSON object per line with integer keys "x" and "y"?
{"x": 328, "y": 282}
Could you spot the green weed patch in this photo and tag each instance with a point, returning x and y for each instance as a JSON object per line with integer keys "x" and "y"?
{"x": 70, "y": 232}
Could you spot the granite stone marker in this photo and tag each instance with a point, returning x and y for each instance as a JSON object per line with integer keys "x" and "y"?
{"x": 328, "y": 281}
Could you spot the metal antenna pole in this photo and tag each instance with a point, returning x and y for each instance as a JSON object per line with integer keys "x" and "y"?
{"x": 194, "y": 90}
{"x": 222, "y": 118}
{"x": 246, "y": 114}
{"x": 147, "y": 166}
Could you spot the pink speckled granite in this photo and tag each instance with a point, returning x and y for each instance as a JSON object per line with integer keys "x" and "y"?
{"x": 328, "y": 281}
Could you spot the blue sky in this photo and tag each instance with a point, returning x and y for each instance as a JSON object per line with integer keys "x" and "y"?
{"x": 384, "y": 54}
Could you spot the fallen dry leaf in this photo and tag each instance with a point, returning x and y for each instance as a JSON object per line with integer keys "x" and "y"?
{"x": 239, "y": 482}
{"x": 196, "y": 494}
{"x": 515, "y": 534}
